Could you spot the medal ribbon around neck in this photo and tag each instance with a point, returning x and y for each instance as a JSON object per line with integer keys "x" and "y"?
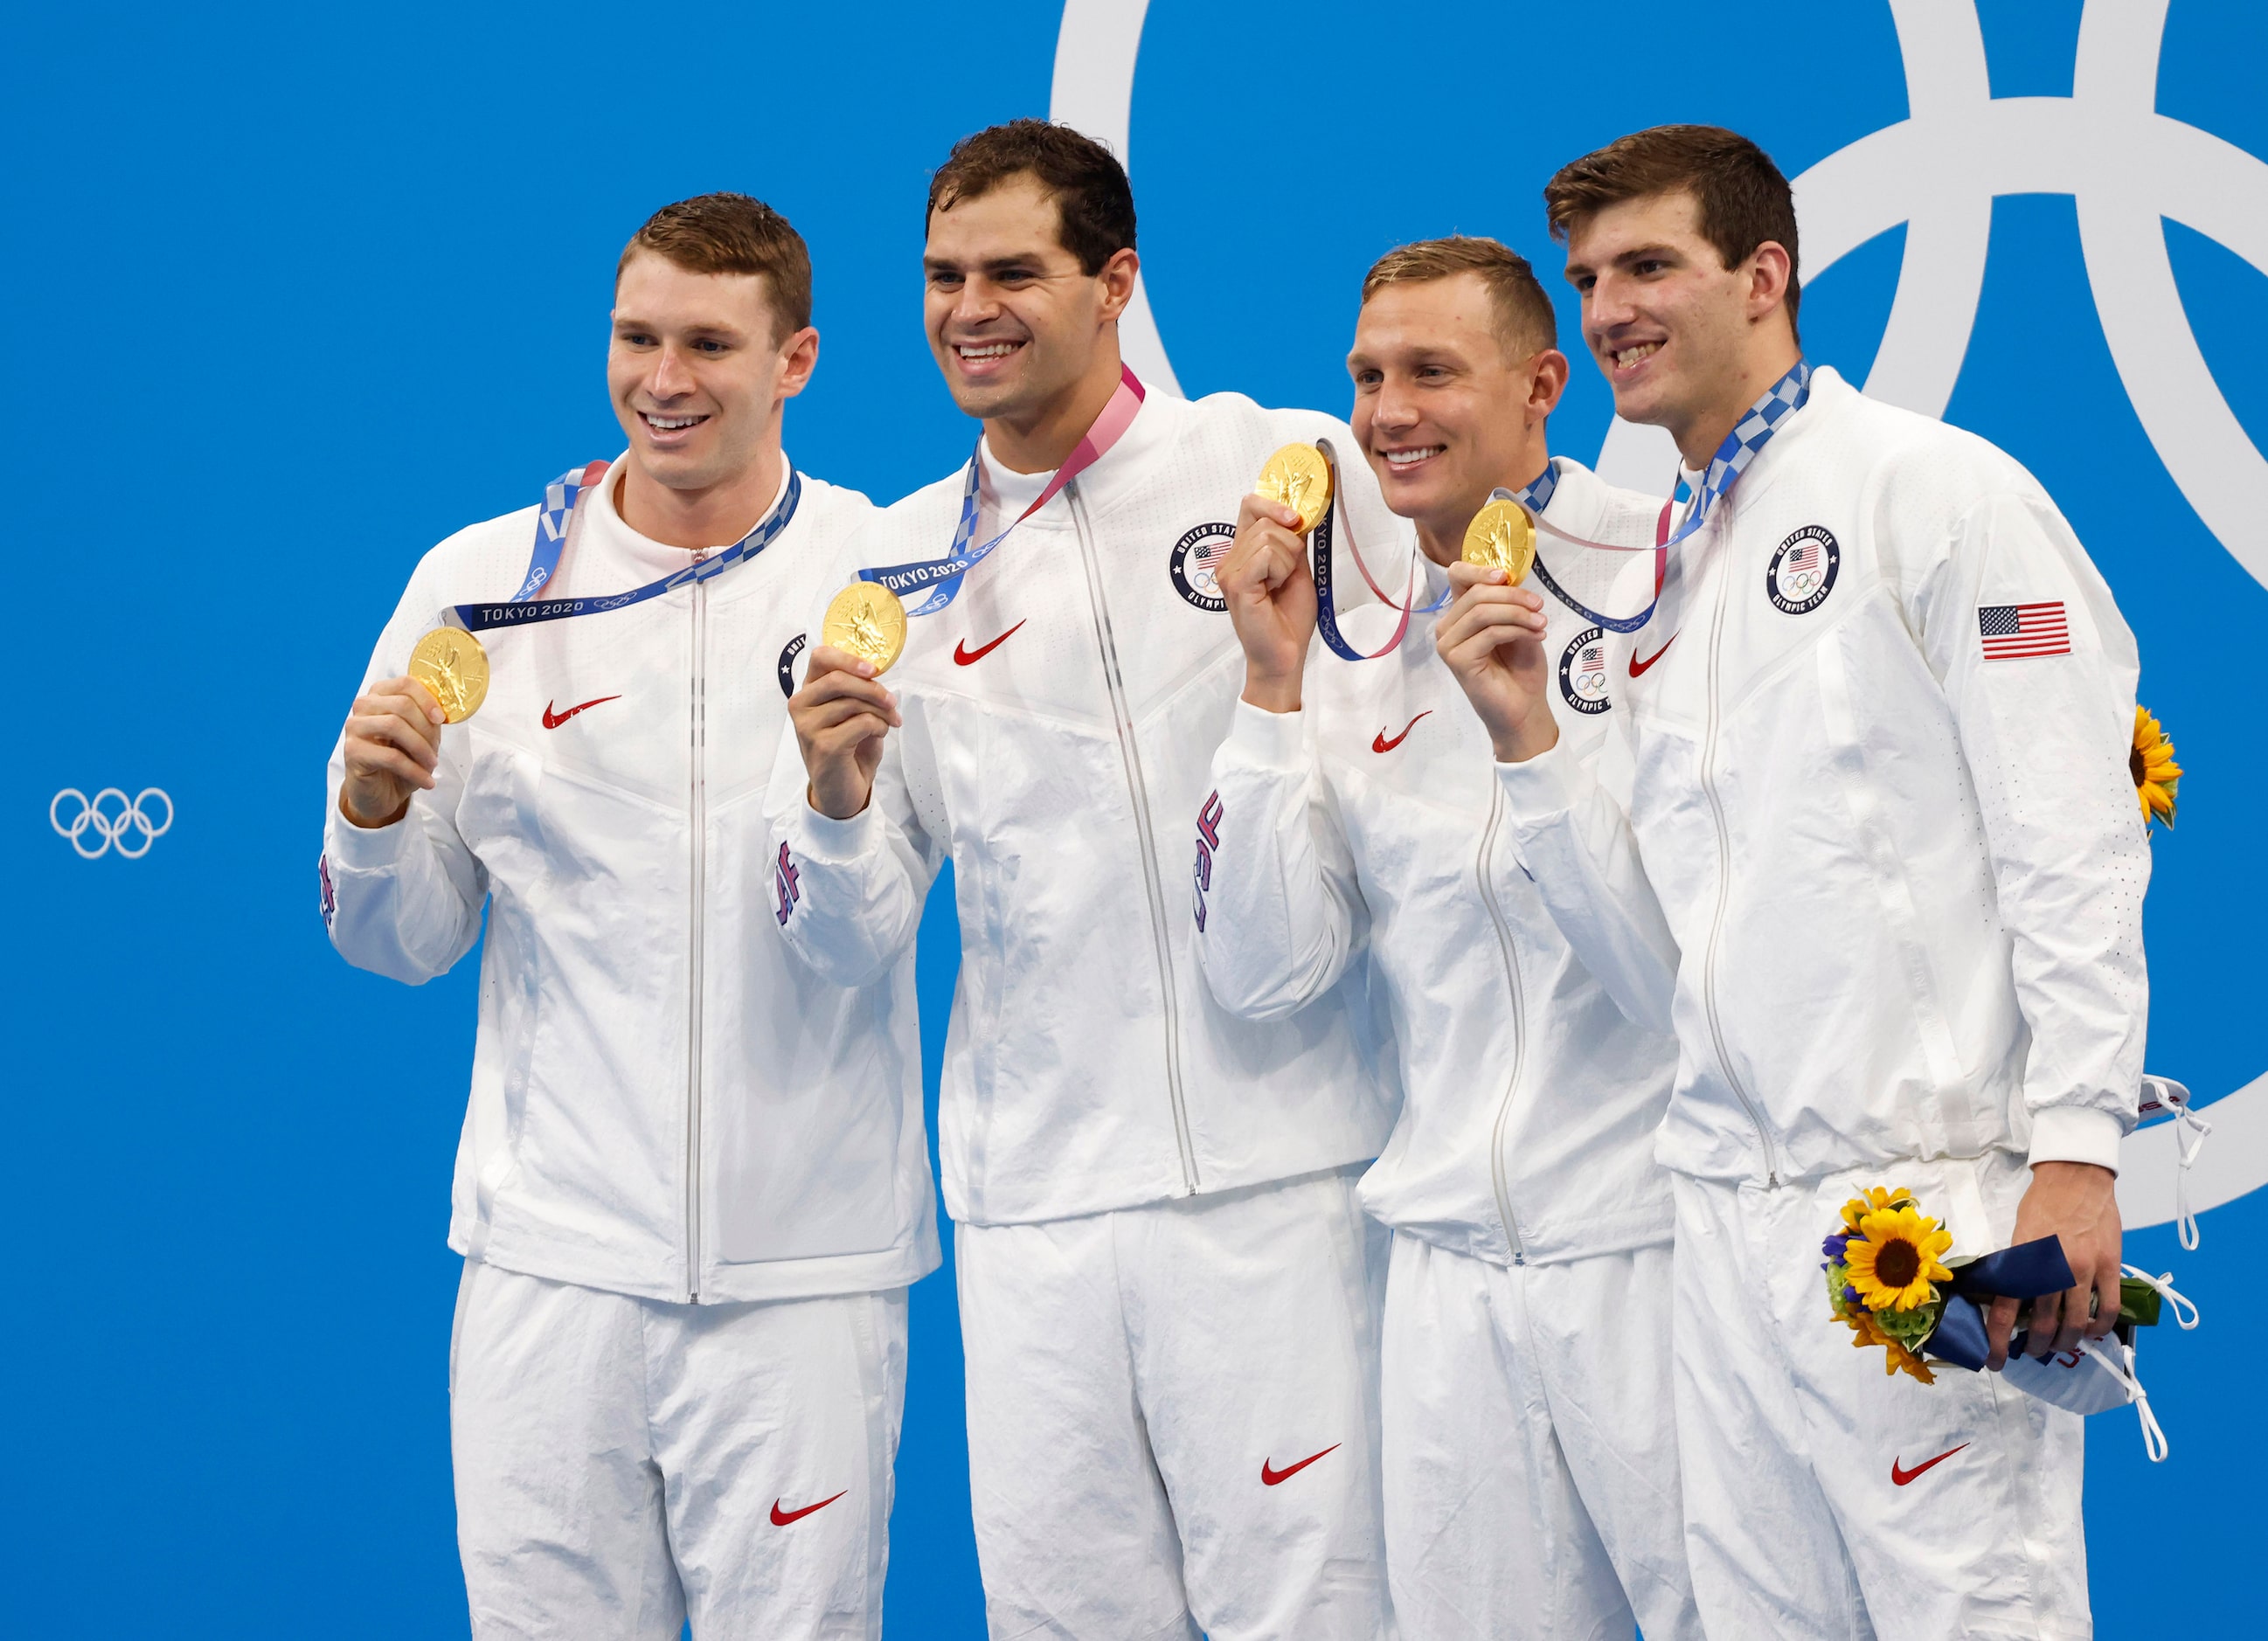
{"x": 942, "y": 577}
{"x": 561, "y": 499}
{"x": 1749, "y": 435}
{"x": 1327, "y": 614}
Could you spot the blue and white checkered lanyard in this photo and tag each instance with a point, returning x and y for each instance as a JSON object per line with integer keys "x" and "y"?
{"x": 1749, "y": 435}
{"x": 560, "y": 497}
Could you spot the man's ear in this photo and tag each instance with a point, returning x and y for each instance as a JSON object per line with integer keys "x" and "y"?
{"x": 1770, "y": 267}
{"x": 799, "y": 358}
{"x": 1547, "y": 379}
{"x": 1117, "y": 275}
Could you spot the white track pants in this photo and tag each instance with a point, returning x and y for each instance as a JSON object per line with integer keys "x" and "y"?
{"x": 1173, "y": 1419}
{"x": 1826, "y": 1499}
{"x": 1531, "y": 1456}
{"x": 622, "y": 1462}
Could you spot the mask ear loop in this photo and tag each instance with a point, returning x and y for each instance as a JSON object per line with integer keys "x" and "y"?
{"x": 2162, "y": 1093}
{"x": 2117, "y": 1360}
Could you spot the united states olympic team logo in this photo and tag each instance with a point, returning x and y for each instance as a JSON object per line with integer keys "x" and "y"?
{"x": 1802, "y": 573}
{"x": 2128, "y": 169}
{"x": 1583, "y": 671}
{"x": 1195, "y": 565}
{"x": 110, "y": 821}
{"x": 787, "y": 659}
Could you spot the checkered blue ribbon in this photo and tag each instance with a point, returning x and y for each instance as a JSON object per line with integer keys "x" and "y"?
{"x": 560, "y": 497}
{"x": 1749, "y": 435}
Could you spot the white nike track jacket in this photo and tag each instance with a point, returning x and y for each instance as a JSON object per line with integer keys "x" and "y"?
{"x": 1861, "y": 825}
{"x": 1059, "y": 720}
{"x": 663, "y": 1103}
{"x": 1369, "y": 826}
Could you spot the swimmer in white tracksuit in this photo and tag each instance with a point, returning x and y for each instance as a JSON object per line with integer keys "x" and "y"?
{"x": 693, "y": 1184}
{"x": 1530, "y": 1457}
{"x": 1168, "y": 1290}
{"x": 1861, "y": 828}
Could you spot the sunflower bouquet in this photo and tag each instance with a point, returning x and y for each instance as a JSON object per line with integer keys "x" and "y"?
{"x": 1883, "y": 1265}
{"x": 2157, "y": 777}
{"x": 1889, "y": 1282}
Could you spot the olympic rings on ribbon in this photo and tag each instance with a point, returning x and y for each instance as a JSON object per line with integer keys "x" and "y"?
{"x": 112, "y": 830}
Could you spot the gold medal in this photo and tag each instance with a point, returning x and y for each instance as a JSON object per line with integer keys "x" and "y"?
{"x": 455, "y": 668}
{"x": 866, "y": 619}
{"x": 1298, "y": 476}
{"x": 1503, "y": 537}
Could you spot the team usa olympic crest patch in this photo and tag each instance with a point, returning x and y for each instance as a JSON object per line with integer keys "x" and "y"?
{"x": 787, "y": 663}
{"x": 1195, "y": 565}
{"x": 1802, "y": 573}
{"x": 1583, "y": 671}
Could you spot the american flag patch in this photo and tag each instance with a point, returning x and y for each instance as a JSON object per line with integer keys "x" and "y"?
{"x": 1595, "y": 659}
{"x": 2011, "y": 632}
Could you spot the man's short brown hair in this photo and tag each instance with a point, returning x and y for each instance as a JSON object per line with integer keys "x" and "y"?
{"x": 730, "y": 233}
{"x": 1525, "y": 323}
{"x": 1743, "y": 200}
{"x": 1094, "y": 199}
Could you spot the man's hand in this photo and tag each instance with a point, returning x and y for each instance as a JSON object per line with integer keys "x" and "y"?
{"x": 393, "y": 745}
{"x": 1271, "y": 601}
{"x": 1493, "y": 638}
{"x": 2078, "y": 1203}
{"x": 840, "y": 715}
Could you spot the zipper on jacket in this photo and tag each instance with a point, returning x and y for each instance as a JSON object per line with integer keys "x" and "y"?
{"x": 1724, "y": 879}
{"x": 1137, "y": 791}
{"x": 1518, "y": 1018}
{"x": 698, "y": 731}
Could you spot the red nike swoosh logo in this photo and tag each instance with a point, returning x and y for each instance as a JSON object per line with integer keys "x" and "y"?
{"x": 553, "y": 720}
{"x": 1900, "y": 1477}
{"x": 1269, "y": 1475}
{"x": 1638, "y": 667}
{"x": 1379, "y": 743}
{"x": 781, "y": 1518}
{"x": 963, "y": 656}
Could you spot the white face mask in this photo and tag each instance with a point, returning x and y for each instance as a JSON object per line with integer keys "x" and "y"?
{"x": 2099, "y": 1374}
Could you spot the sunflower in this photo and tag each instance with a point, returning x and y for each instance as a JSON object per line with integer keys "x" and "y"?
{"x": 1893, "y": 1260}
{"x": 2156, "y": 775}
{"x": 1876, "y": 1199}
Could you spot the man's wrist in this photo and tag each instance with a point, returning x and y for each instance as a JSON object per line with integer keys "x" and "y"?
{"x": 355, "y": 818}
{"x": 1526, "y": 739}
{"x": 1270, "y": 693}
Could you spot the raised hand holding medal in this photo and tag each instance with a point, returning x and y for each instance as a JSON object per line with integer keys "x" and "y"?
{"x": 1265, "y": 580}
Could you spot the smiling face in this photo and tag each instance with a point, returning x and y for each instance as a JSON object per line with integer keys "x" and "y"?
{"x": 1443, "y": 409}
{"x": 1016, "y": 325}
{"x": 698, "y": 375}
{"x": 1685, "y": 342}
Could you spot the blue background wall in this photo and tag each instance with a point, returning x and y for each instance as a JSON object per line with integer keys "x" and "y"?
{"x": 296, "y": 292}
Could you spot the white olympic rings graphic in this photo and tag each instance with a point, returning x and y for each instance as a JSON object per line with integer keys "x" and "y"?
{"x": 111, "y": 831}
{"x": 1937, "y": 170}
{"x": 2128, "y": 167}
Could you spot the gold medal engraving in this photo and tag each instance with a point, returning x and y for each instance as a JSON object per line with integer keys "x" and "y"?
{"x": 1298, "y": 476}
{"x": 866, "y": 619}
{"x": 453, "y": 666}
{"x": 1502, "y": 536}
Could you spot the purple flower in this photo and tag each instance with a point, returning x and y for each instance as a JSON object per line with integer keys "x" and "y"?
{"x": 1851, "y": 1295}
{"x": 1833, "y": 1246}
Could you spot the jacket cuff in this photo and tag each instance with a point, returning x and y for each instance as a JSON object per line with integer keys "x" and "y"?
{"x": 1274, "y": 741}
{"x": 835, "y": 841}
{"x": 2076, "y": 1134}
{"x": 367, "y": 848}
{"x": 1542, "y": 786}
